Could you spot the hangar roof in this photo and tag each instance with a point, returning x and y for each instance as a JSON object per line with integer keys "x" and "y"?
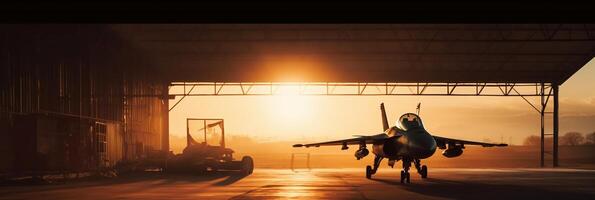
{"x": 521, "y": 53}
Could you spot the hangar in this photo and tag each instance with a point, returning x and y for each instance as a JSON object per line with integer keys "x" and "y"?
{"x": 80, "y": 97}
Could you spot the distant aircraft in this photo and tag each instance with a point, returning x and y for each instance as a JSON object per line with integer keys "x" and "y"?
{"x": 408, "y": 141}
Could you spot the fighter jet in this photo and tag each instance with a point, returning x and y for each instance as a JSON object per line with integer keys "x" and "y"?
{"x": 408, "y": 141}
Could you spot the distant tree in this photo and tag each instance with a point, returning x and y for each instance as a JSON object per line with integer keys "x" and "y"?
{"x": 535, "y": 140}
{"x": 590, "y": 138}
{"x": 572, "y": 139}
{"x": 532, "y": 140}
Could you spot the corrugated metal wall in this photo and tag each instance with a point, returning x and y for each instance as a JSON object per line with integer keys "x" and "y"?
{"x": 115, "y": 144}
{"x": 76, "y": 74}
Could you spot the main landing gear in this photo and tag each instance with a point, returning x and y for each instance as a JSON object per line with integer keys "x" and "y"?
{"x": 405, "y": 176}
{"x": 369, "y": 170}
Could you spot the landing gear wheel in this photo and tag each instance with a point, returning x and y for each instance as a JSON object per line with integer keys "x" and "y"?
{"x": 247, "y": 165}
{"x": 403, "y": 176}
{"x": 368, "y": 172}
{"x": 424, "y": 171}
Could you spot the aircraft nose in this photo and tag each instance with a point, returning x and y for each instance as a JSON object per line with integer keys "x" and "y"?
{"x": 423, "y": 146}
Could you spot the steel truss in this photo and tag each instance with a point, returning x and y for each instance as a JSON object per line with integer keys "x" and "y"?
{"x": 523, "y": 90}
{"x": 330, "y": 89}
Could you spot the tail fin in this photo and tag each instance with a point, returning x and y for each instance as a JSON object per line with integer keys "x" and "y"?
{"x": 384, "y": 119}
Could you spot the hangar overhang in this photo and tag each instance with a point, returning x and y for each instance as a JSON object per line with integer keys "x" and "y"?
{"x": 372, "y": 53}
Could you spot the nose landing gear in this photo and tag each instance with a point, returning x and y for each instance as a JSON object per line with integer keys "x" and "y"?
{"x": 405, "y": 172}
{"x": 405, "y": 176}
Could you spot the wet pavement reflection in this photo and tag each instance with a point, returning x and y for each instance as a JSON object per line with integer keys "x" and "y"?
{"x": 326, "y": 184}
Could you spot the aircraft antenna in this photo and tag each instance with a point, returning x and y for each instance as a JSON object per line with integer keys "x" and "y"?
{"x": 418, "y": 108}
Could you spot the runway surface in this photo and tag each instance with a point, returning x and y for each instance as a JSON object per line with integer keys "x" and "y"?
{"x": 325, "y": 184}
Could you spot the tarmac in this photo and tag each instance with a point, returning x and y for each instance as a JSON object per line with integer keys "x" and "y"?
{"x": 446, "y": 183}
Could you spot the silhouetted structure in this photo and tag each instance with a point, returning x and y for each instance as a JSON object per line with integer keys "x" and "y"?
{"x": 77, "y": 97}
{"x": 72, "y": 98}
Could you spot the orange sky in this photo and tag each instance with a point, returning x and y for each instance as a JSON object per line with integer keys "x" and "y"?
{"x": 313, "y": 118}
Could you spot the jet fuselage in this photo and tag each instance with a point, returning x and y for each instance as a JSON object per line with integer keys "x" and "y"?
{"x": 407, "y": 141}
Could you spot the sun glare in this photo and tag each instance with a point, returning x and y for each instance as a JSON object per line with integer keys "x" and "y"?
{"x": 289, "y": 108}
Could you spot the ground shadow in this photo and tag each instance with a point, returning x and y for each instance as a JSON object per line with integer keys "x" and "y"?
{"x": 485, "y": 191}
{"x": 231, "y": 178}
{"x": 153, "y": 179}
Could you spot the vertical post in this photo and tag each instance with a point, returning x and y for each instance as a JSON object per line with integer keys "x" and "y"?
{"x": 165, "y": 119}
{"x": 541, "y": 113}
{"x": 386, "y": 88}
{"x": 165, "y": 124}
{"x": 187, "y": 134}
{"x": 80, "y": 119}
{"x": 222, "y": 134}
{"x": 555, "y": 134}
{"x": 205, "y": 130}
{"x": 417, "y": 88}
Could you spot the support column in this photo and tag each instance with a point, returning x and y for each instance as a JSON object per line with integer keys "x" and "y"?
{"x": 165, "y": 120}
{"x": 542, "y": 135}
{"x": 555, "y": 131}
{"x": 222, "y": 134}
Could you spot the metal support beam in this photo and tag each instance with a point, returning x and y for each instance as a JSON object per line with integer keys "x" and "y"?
{"x": 555, "y": 128}
{"x": 187, "y": 134}
{"x": 544, "y": 98}
{"x": 348, "y": 89}
{"x": 541, "y": 114}
{"x": 183, "y": 96}
{"x": 165, "y": 122}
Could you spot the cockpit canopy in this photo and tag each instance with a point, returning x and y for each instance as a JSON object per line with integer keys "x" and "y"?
{"x": 409, "y": 121}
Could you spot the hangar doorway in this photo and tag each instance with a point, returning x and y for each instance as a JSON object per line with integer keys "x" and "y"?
{"x": 538, "y": 96}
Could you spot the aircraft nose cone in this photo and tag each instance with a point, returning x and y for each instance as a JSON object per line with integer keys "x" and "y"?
{"x": 422, "y": 146}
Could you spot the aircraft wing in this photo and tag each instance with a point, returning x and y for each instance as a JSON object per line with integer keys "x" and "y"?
{"x": 442, "y": 141}
{"x": 357, "y": 140}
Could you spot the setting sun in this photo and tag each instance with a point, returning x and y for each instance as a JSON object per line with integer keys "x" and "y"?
{"x": 288, "y": 110}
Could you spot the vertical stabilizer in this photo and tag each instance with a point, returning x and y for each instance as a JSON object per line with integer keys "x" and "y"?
{"x": 384, "y": 119}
